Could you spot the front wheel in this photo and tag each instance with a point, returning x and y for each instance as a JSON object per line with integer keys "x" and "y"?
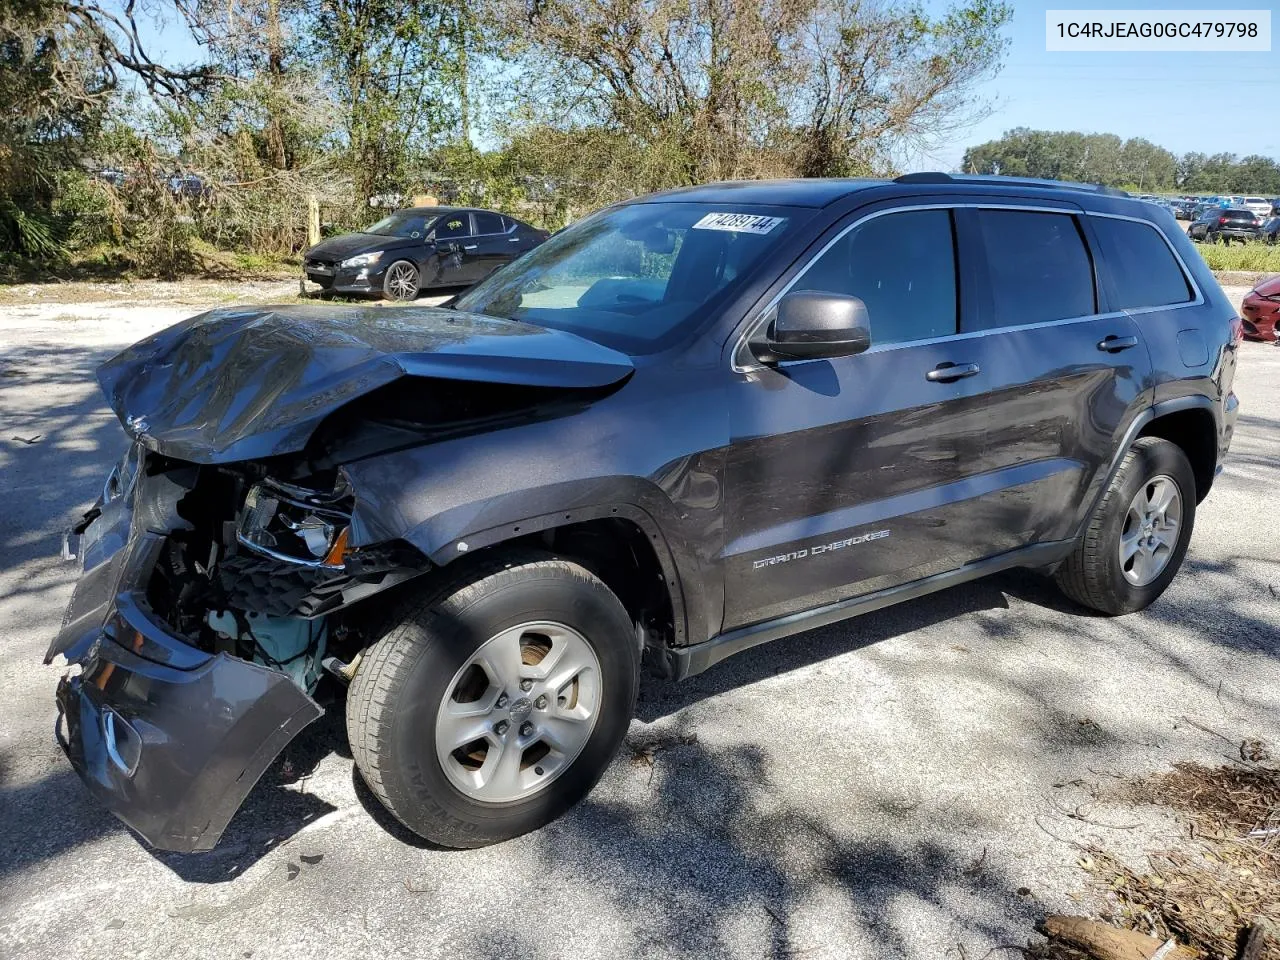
{"x": 1137, "y": 536}
{"x": 401, "y": 281}
{"x": 493, "y": 708}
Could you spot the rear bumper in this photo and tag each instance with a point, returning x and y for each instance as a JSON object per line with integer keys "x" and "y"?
{"x": 169, "y": 738}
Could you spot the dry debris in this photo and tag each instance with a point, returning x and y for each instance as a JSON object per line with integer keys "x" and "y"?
{"x": 1211, "y": 891}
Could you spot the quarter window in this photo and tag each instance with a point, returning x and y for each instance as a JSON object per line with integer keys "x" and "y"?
{"x": 1039, "y": 268}
{"x": 902, "y": 266}
{"x": 1144, "y": 271}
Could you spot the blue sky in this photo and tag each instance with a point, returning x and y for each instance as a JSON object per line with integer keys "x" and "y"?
{"x": 1211, "y": 102}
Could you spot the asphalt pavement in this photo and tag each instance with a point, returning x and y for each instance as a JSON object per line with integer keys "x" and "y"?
{"x": 913, "y": 783}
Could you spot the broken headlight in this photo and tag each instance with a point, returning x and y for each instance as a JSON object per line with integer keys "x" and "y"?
{"x": 294, "y": 524}
{"x": 124, "y": 474}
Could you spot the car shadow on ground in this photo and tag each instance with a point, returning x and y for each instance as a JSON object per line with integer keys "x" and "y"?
{"x": 426, "y": 298}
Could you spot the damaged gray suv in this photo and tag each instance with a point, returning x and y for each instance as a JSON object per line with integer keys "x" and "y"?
{"x": 684, "y": 426}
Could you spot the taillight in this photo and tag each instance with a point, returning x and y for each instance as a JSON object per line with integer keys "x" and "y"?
{"x": 1237, "y": 330}
{"x": 1222, "y": 219}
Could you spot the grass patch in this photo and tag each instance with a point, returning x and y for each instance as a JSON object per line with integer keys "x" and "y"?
{"x": 112, "y": 263}
{"x": 1249, "y": 257}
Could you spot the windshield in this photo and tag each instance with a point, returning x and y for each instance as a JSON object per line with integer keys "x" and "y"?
{"x": 635, "y": 277}
{"x": 404, "y": 223}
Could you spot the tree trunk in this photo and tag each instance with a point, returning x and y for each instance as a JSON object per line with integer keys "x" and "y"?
{"x": 277, "y": 155}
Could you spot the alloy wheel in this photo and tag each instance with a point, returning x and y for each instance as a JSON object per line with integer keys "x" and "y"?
{"x": 517, "y": 714}
{"x": 402, "y": 281}
{"x": 1150, "y": 532}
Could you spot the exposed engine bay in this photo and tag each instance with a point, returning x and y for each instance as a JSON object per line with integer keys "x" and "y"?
{"x": 254, "y": 567}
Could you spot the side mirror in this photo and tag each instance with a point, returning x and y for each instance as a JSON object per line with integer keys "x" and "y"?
{"x": 813, "y": 325}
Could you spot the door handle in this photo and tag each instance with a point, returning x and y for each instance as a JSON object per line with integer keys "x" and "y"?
{"x": 1114, "y": 344}
{"x": 471, "y": 247}
{"x": 946, "y": 372}
{"x": 514, "y": 240}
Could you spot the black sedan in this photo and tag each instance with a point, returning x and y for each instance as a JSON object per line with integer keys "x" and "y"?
{"x": 418, "y": 248}
{"x": 1225, "y": 224}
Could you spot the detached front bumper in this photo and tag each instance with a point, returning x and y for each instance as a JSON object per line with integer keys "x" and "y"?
{"x": 169, "y": 738}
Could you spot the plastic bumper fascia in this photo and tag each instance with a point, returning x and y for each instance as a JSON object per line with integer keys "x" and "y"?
{"x": 173, "y": 752}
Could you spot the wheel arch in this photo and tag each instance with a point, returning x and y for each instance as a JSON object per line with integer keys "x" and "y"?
{"x": 1194, "y": 430}
{"x": 619, "y": 542}
{"x": 1191, "y": 421}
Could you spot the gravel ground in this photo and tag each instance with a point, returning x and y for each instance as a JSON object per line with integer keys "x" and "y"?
{"x": 908, "y": 784}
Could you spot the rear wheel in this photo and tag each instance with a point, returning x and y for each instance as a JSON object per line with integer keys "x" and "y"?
{"x": 1137, "y": 536}
{"x": 496, "y": 706}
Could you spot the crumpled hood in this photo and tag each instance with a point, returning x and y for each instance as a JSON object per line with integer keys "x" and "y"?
{"x": 240, "y": 384}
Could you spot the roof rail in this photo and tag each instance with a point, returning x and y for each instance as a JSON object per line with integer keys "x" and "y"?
{"x": 938, "y": 177}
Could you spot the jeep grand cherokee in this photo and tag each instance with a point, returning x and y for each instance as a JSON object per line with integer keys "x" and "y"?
{"x": 684, "y": 426}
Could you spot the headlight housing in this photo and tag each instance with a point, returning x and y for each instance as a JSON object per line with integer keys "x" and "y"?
{"x": 363, "y": 260}
{"x": 294, "y": 524}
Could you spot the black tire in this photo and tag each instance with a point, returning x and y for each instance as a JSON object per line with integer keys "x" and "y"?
{"x": 393, "y": 701}
{"x": 1093, "y": 575}
{"x": 401, "y": 281}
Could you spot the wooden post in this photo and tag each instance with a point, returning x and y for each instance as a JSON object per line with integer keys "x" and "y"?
{"x": 313, "y": 220}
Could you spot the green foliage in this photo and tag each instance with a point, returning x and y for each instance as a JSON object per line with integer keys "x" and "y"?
{"x": 686, "y": 91}
{"x": 1135, "y": 164}
{"x": 27, "y": 233}
{"x": 1247, "y": 257}
{"x": 357, "y": 104}
{"x": 389, "y": 62}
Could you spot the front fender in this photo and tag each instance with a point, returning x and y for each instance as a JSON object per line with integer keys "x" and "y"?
{"x": 612, "y": 460}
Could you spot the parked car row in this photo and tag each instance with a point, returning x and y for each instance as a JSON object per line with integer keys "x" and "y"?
{"x": 1190, "y": 208}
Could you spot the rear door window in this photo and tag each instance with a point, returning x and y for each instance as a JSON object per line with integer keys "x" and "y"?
{"x": 1144, "y": 272}
{"x": 902, "y": 266}
{"x": 487, "y": 223}
{"x": 1039, "y": 268}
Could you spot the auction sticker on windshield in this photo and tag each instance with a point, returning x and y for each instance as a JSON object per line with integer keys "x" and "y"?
{"x": 739, "y": 222}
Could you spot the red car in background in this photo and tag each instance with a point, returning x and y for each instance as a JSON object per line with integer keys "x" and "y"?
{"x": 1261, "y": 311}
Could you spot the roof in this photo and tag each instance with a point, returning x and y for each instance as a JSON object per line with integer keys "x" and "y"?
{"x": 823, "y": 192}
{"x": 778, "y": 193}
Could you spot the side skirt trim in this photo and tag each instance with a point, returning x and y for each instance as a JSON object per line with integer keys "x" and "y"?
{"x": 691, "y": 660}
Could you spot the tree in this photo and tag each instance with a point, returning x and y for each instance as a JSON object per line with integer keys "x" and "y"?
{"x": 391, "y": 63}
{"x": 732, "y": 88}
{"x": 54, "y": 92}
